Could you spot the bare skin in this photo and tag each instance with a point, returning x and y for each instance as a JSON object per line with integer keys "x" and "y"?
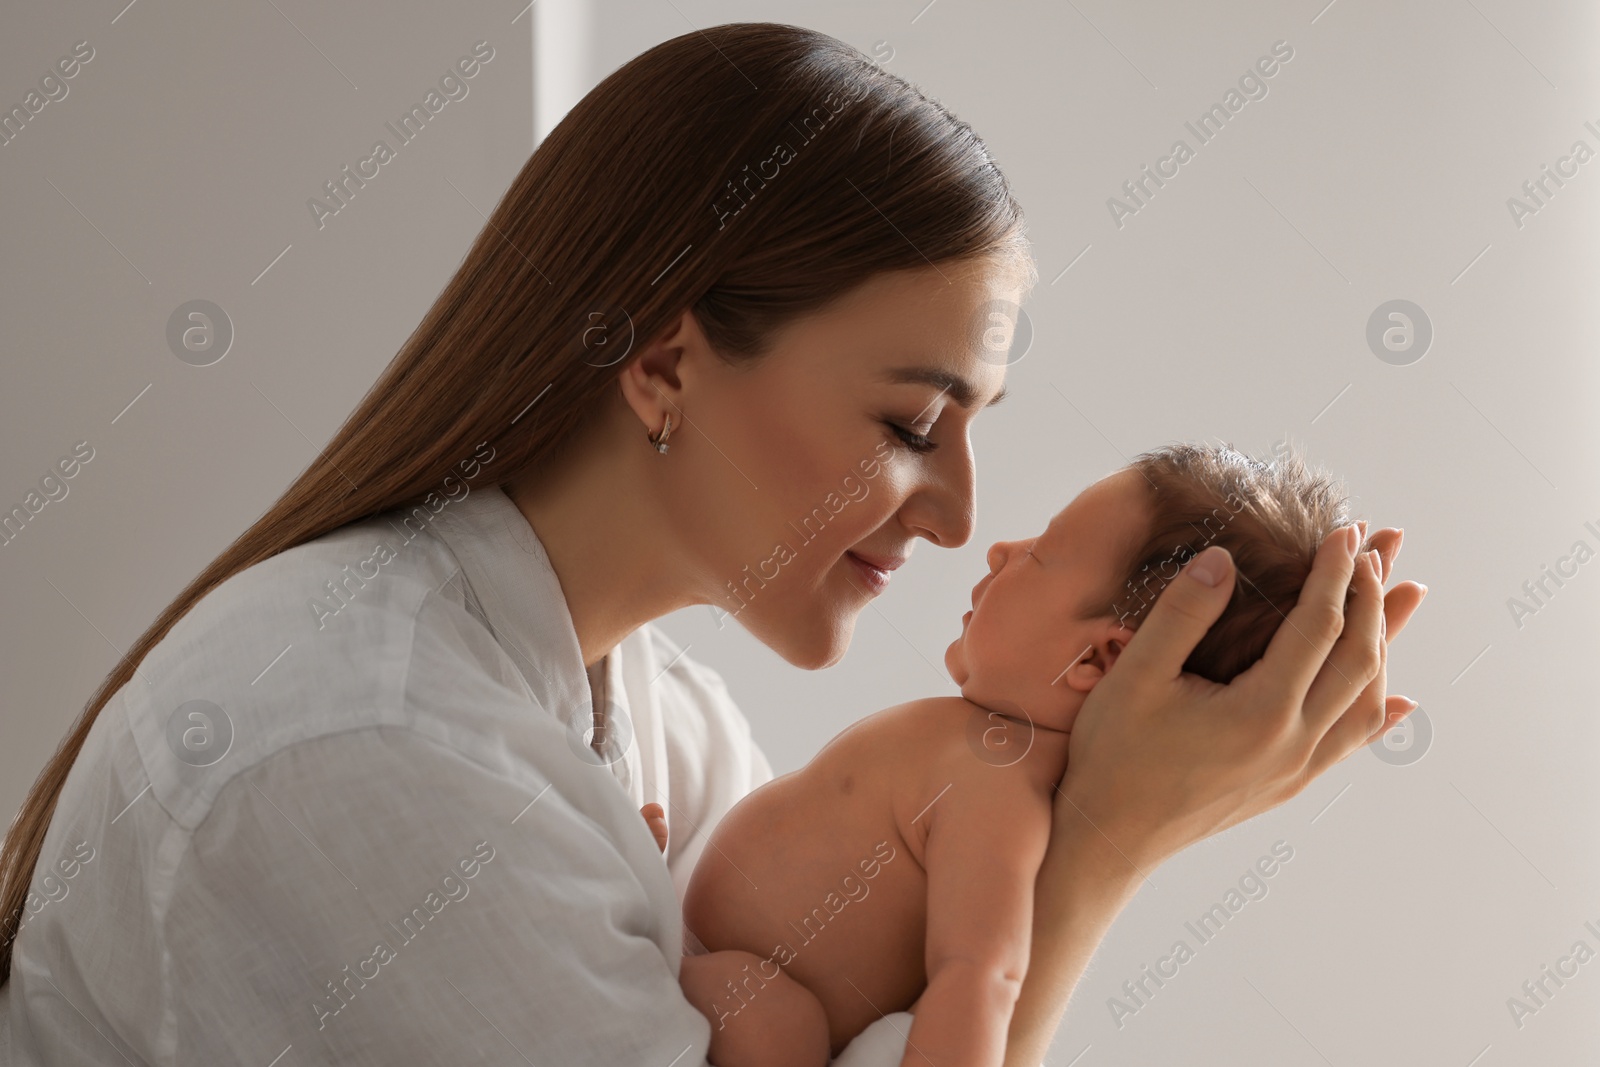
{"x": 633, "y": 535}
{"x": 754, "y": 448}
{"x": 963, "y": 790}
{"x": 962, "y": 787}
{"x": 894, "y": 862}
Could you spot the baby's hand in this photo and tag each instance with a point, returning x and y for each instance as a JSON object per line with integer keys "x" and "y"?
{"x": 656, "y": 818}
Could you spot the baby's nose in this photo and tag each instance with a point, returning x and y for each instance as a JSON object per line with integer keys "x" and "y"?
{"x": 997, "y": 555}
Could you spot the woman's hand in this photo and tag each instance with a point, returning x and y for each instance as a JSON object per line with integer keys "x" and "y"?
{"x": 1160, "y": 759}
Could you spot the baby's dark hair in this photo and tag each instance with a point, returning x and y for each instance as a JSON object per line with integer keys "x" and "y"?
{"x": 1270, "y": 516}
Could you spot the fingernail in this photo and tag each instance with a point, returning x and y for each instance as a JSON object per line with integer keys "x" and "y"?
{"x": 1352, "y": 540}
{"x": 1208, "y": 567}
{"x": 1424, "y": 589}
{"x": 1413, "y": 703}
{"x": 1377, "y": 568}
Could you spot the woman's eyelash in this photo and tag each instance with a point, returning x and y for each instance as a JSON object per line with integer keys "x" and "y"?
{"x": 915, "y": 441}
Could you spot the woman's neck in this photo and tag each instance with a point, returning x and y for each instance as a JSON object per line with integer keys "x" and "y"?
{"x": 601, "y": 526}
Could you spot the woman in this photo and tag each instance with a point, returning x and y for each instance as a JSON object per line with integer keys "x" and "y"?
{"x": 368, "y": 791}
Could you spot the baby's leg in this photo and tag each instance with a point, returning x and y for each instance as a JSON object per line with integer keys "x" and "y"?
{"x": 759, "y": 1021}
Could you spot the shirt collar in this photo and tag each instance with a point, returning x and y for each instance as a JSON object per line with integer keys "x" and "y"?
{"x": 508, "y": 572}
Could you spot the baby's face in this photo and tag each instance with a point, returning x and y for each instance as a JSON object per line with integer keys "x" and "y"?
{"x": 1041, "y": 634}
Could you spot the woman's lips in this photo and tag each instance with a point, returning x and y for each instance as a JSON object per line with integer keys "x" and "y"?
{"x": 876, "y": 579}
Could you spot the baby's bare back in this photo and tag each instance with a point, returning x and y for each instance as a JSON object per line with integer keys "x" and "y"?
{"x": 822, "y": 871}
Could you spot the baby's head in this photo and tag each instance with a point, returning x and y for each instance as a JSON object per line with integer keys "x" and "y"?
{"x": 1056, "y": 610}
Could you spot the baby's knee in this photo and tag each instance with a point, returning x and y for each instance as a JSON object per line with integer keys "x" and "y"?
{"x": 758, "y": 1014}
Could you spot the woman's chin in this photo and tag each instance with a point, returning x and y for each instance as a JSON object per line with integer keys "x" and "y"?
{"x": 807, "y": 644}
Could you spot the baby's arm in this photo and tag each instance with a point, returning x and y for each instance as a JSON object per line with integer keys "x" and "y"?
{"x": 983, "y": 854}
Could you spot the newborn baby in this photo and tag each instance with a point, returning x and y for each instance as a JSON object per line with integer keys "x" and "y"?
{"x": 895, "y": 871}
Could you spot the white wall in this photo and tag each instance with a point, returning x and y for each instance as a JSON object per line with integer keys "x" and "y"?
{"x": 178, "y": 167}
{"x": 1419, "y": 897}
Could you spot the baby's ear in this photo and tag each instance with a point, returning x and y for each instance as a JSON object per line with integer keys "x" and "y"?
{"x": 1110, "y": 636}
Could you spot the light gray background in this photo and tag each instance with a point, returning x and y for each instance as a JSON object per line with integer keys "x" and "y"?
{"x": 1233, "y": 306}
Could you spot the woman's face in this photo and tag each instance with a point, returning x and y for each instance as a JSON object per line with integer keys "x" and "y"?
{"x": 806, "y": 475}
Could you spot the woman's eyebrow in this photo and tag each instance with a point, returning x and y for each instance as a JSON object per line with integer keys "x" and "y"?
{"x": 963, "y": 391}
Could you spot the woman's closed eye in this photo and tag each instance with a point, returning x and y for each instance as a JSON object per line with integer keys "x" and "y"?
{"x": 911, "y": 439}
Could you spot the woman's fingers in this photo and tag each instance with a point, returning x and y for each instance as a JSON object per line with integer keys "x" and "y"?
{"x": 1346, "y": 737}
{"x": 1153, "y": 776}
{"x": 1399, "y": 604}
{"x": 1356, "y": 660}
{"x": 1308, "y": 633}
{"x": 1355, "y": 728}
{"x": 1395, "y": 708}
{"x": 1182, "y": 613}
{"x": 1386, "y": 542}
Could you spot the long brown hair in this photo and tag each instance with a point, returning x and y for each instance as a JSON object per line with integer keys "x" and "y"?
{"x": 751, "y": 171}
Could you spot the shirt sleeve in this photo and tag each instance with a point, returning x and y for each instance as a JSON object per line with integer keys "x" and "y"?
{"x": 456, "y": 917}
{"x": 374, "y": 897}
{"x": 712, "y": 759}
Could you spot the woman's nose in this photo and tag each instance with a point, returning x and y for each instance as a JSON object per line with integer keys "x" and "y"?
{"x": 943, "y": 508}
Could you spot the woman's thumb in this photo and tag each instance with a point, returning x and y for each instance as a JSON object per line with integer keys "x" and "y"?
{"x": 1182, "y": 614}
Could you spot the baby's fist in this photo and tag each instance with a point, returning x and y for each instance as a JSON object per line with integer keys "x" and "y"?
{"x": 656, "y": 818}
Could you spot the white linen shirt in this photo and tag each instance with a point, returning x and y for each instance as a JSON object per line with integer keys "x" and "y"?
{"x": 373, "y": 832}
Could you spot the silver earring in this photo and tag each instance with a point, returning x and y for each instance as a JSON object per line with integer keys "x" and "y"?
{"x": 660, "y": 439}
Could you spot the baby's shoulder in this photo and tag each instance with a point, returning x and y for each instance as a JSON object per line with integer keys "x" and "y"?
{"x": 952, "y": 740}
{"x": 947, "y": 740}
{"x": 944, "y": 769}
{"x": 931, "y": 724}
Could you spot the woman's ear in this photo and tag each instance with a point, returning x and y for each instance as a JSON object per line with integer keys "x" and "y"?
{"x": 652, "y": 384}
{"x": 1110, "y": 637}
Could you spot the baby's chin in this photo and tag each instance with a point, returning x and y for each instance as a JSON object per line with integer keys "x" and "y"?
{"x": 955, "y": 661}
{"x": 954, "y": 666}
